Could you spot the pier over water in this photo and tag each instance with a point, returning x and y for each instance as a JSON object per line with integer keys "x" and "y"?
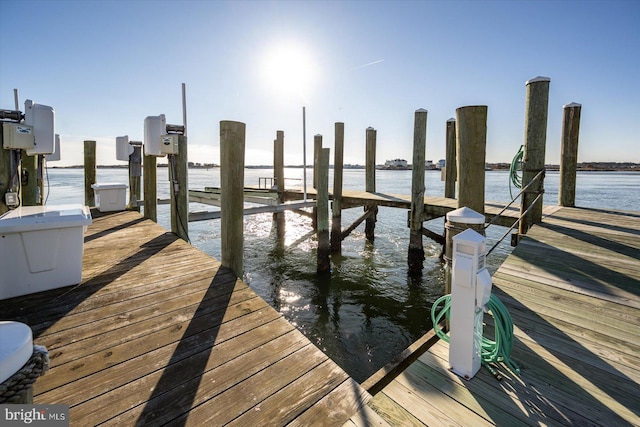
{"x": 159, "y": 332}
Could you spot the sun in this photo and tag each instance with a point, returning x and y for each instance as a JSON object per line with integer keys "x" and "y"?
{"x": 288, "y": 70}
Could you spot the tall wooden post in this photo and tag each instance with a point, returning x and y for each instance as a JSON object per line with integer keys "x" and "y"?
{"x": 5, "y": 173}
{"x": 317, "y": 152}
{"x": 415, "y": 257}
{"x": 370, "y": 180}
{"x": 336, "y": 211}
{"x": 450, "y": 163}
{"x": 535, "y": 138}
{"x": 569, "y": 154}
{"x": 279, "y": 177}
{"x": 232, "y": 140}
{"x": 471, "y": 143}
{"x": 41, "y": 172}
{"x": 179, "y": 190}
{"x": 322, "y": 182}
{"x": 135, "y": 172}
{"x": 149, "y": 182}
{"x": 29, "y": 177}
{"x": 89, "y": 172}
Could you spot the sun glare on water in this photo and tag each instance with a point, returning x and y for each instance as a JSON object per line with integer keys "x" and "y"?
{"x": 288, "y": 70}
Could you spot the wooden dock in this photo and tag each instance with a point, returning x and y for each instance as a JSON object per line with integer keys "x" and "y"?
{"x": 434, "y": 207}
{"x": 572, "y": 286}
{"x": 159, "y": 333}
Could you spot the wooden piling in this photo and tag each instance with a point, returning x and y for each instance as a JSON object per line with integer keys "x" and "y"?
{"x": 370, "y": 180}
{"x": 135, "y": 172}
{"x": 89, "y": 172}
{"x": 179, "y": 190}
{"x": 317, "y": 152}
{"x": 232, "y": 141}
{"x": 471, "y": 142}
{"x": 40, "y": 180}
{"x": 569, "y": 154}
{"x": 450, "y": 163}
{"x": 278, "y": 170}
{"x": 149, "y": 182}
{"x": 415, "y": 256}
{"x": 535, "y": 138}
{"x": 5, "y": 173}
{"x": 29, "y": 178}
{"x": 336, "y": 211}
{"x": 322, "y": 183}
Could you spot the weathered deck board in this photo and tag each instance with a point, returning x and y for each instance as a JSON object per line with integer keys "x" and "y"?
{"x": 159, "y": 333}
{"x": 572, "y": 287}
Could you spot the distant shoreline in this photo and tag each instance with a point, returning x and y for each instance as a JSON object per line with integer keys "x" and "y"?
{"x": 582, "y": 167}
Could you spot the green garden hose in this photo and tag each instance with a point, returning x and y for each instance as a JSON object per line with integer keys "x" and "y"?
{"x": 492, "y": 351}
{"x": 516, "y": 166}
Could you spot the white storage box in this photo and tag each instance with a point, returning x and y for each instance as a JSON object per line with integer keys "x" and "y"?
{"x": 41, "y": 248}
{"x": 110, "y": 196}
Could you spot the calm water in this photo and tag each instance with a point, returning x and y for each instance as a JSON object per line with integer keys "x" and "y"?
{"x": 369, "y": 310}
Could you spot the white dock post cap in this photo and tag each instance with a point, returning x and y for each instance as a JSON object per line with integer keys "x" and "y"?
{"x": 538, "y": 79}
{"x": 421, "y": 110}
{"x": 452, "y": 119}
{"x": 318, "y": 134}
{"x": 470, "y": 236}
{"x": 573, "y": 104}
{"x": 370, "y": 128}
{"x": 465, "y": 215}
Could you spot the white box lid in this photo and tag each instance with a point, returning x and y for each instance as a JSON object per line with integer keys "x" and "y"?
{"x": 31, "y": 218}
{"x": 108, "y": 186}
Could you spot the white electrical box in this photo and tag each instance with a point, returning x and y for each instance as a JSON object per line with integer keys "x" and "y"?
{"x": 470, "y": 289}
{"x": 154, "y": 128}
{"x": 42, "y": 118}
{"x": 123, "y": 148}
{"x": 169, "y": 144}
{"x": 56, "y": 154}
{"x": 17, "y": 136}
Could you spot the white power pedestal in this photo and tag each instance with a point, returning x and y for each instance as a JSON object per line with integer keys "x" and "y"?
{"x": 470, "y": 291}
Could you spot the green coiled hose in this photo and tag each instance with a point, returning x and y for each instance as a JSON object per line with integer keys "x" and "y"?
{"x": 516, "y": 165}
{"x": 492, "y": 351}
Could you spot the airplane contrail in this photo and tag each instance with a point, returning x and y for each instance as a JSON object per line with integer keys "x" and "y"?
{"x": 368, "y": 64}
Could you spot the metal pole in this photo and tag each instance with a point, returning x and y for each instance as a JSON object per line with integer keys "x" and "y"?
{"x": 184, "y": 108}
{"x": 304, "y": 152}
{"x": 15, "y": 99}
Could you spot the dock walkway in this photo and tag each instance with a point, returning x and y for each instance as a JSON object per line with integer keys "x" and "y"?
{"x": 159, "y": 333}
{"x": 434, "y": 207}
{"x": 572, "y": 286}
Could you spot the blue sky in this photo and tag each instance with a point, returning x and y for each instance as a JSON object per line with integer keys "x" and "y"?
{"x": 106, "y": 65}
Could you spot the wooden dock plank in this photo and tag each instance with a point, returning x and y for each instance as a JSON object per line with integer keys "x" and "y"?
{"x": 159, "y": 332}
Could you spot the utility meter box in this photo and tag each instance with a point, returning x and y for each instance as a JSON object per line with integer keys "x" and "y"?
{"x": 470, "y": 291}
{"x": 154, "y": 128}
{"x": 17, "y": 136}
{"x": 123, "y": 148}
{"x": 56, "y": 154}
{"x": 169, "y": 144}
{"x": 110, "y": 197}
{"x": 42, "y": 118}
